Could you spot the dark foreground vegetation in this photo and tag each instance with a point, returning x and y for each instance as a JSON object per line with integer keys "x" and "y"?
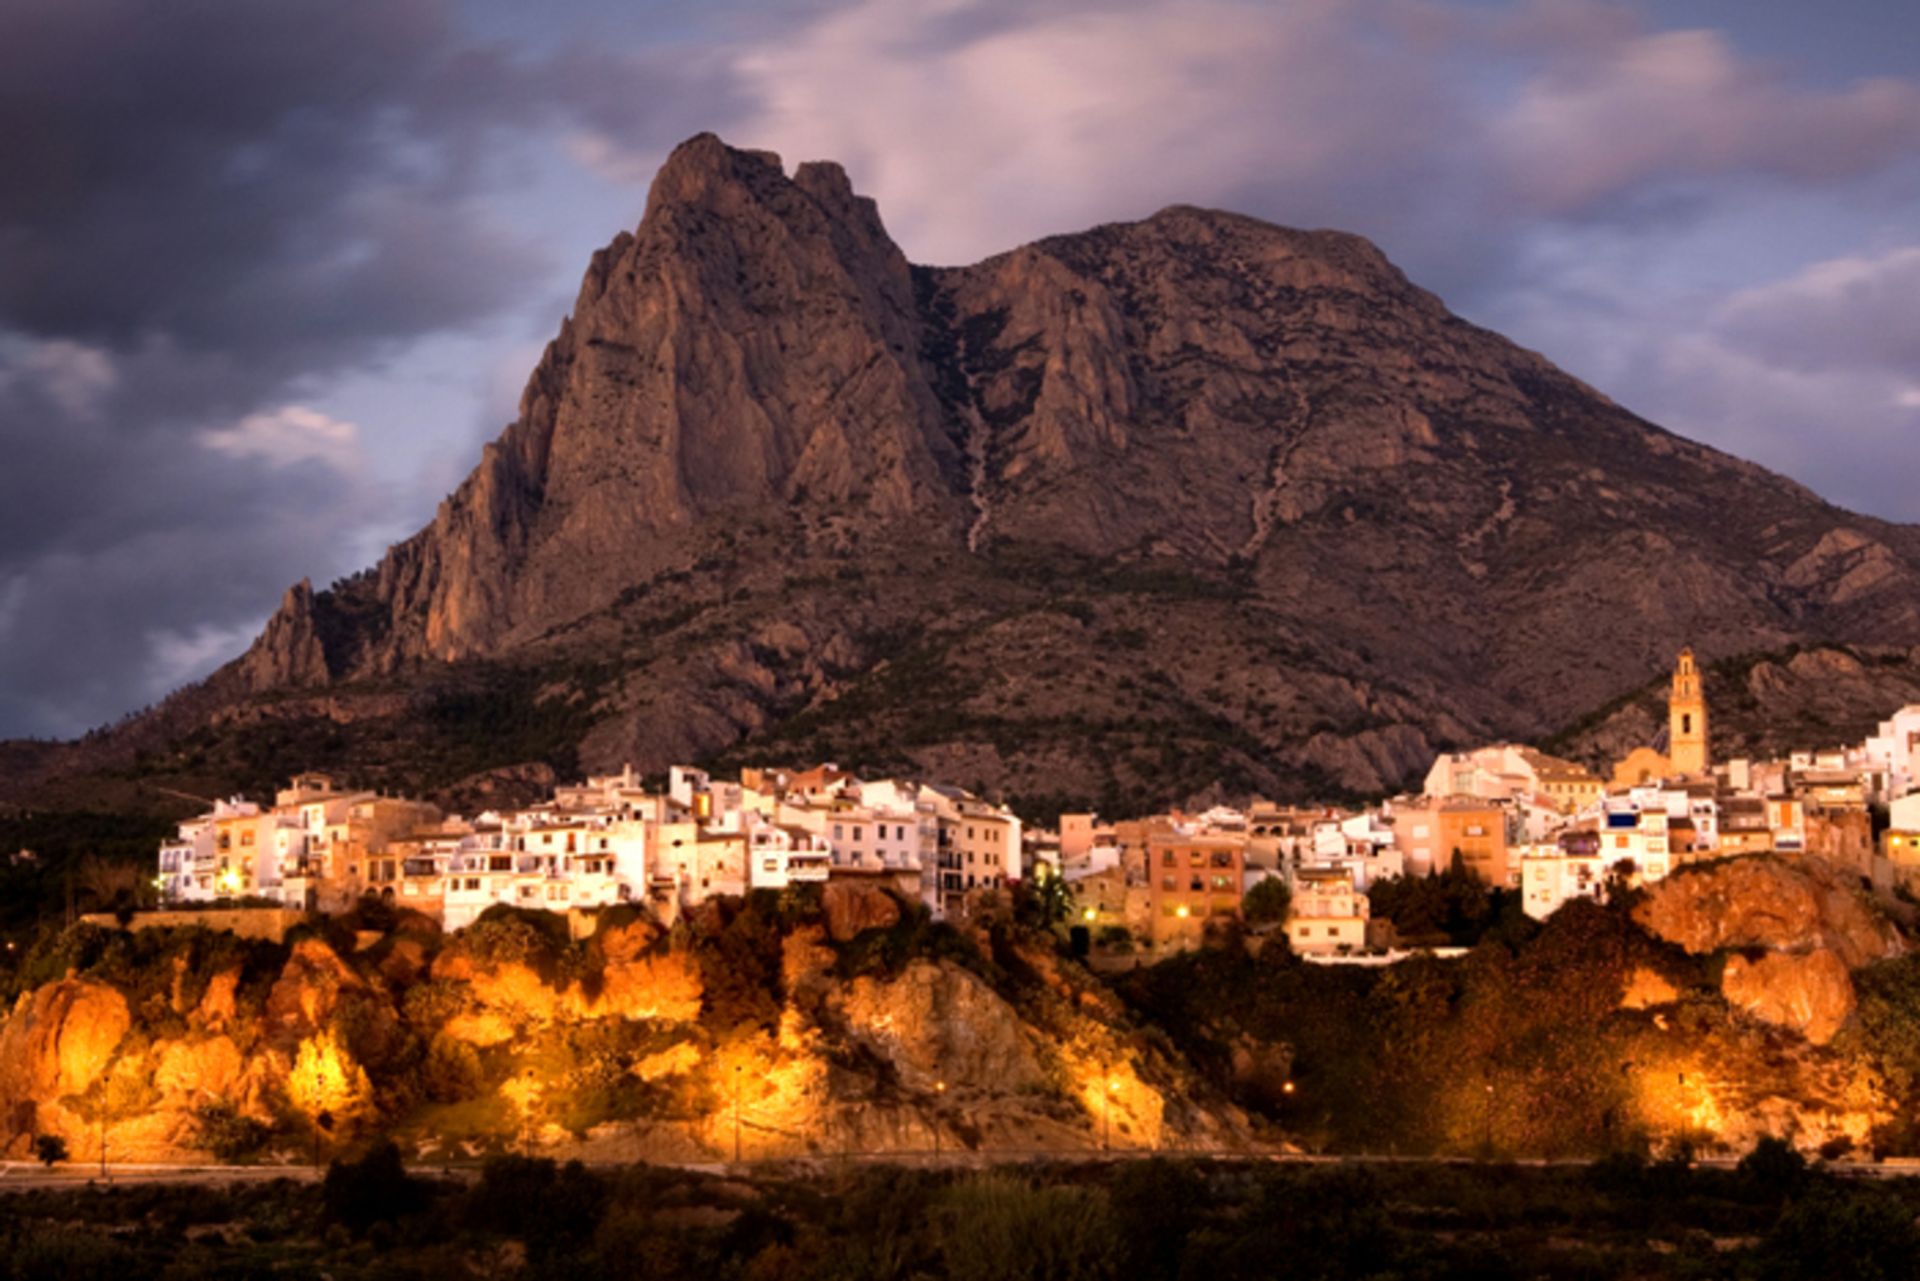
{"x": 1773, "y": 1217}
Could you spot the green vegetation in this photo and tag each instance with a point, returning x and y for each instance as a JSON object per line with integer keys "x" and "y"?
{"x": 1517, "y": 1047}
{"x": 95, "y": 862}
{"x": 1450, "y": 908}
{"x": 1267, "y": 902}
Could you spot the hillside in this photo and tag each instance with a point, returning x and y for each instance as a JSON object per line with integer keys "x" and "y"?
{"x": 1129, "y": 516}
{"x": 1739, "y": 999}
{"x": 821, "y": 1024}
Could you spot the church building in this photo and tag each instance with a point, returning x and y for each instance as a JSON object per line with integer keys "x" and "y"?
{"x": 1686, "y": 755}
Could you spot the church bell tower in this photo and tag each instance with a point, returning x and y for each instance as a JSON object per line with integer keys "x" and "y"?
{"x": 1687, "y": 719}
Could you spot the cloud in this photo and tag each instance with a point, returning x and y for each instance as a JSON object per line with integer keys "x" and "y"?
{"x": 981, "y": 126}
{"x": 73, "y": 376}
{"x": 1648, "y": 108}
{"x": 1842, "y": 314}
{"x": 209, "y": 214}
{"x": 289, "y": 435}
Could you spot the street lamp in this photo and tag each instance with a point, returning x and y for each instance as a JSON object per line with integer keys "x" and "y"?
{"x": 939, "y": 1091}
{"x": 736, "y": 1113}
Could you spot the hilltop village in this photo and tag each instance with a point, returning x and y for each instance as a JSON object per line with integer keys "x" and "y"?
{"x": 1509, "y": 816}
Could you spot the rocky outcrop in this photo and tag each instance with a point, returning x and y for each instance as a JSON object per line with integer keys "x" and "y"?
{"x": 937, "y": 1022}
{"x": 1810, "y": 992}
{"x": 60, "y": 1039}
{"x": 288, "y": 654}
{"x": 1767, "y": 902}
{"x": 852, "y": 908}
{"x": 1794, "y": 931}
{"x": 309, "y": 989}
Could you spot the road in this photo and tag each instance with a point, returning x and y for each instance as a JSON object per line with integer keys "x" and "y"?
{"x": 24, "y": 1176}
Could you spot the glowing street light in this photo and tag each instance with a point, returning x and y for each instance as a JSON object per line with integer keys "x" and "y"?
{"x": 939, "y": 1090}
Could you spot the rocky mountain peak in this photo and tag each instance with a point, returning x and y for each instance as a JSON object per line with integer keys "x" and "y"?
{"x": 1300, "y": 518}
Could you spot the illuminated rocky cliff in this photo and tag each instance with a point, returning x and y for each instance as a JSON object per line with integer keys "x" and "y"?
{"x": 820, "y": 1039}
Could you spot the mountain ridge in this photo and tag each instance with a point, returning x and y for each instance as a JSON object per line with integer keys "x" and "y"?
{"x": 1159, "y": 507}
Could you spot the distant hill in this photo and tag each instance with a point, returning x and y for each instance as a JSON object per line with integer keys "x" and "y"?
{"x": 1162, "y": 509}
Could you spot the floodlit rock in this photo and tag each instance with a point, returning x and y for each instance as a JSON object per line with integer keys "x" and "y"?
{"x": 1771, "y": 903}
{"x": 649, "y": 987}
{"x": 60, "y": 1038}
{"x": 853, "y": 908}
{"x": 940, "y": 1023}
{"x": 1645, "y": 989}
{"x": 309, "y": 987}
{"x": 199, "y": 1069}
{"x": 1810, "y": 992}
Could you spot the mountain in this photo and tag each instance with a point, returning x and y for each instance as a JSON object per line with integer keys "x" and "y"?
{"x": 1159, "y": 510}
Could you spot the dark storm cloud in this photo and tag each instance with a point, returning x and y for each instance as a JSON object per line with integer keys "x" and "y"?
{"x": 206, "y": 209}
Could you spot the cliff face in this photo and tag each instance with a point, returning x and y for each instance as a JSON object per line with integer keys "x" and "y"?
{"x": 176, "y": 1045}
{"x": 1140, "y": 509}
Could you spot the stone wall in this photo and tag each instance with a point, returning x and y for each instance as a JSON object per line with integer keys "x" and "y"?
{"x": 270, "y": 923}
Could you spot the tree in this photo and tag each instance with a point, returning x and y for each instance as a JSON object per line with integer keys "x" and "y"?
{"x": 1267, "y": 903}
{"x": 50, "y": 1149}
{"x": 110, "y": 883}
{"x": 359, "y": 1194}
{"x": 1044, "y": 901}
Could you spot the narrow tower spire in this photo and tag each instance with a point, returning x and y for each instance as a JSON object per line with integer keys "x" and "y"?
{"x": 1687, "y": 719}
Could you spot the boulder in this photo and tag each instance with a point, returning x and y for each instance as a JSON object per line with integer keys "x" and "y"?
{"x": 198, "y": 1068}
{"x": 1810, "y": 992}
{"x": 853, "y": 908}
{"x": 627, "y": 942}
{"x": 217, "y": 1005}
{"x": 309, "y": 987}
{"x": 937, "y": 1022}
{"x": 1770, "y": 903}
{"x": 1646, "y": 988}
{"x": 649, "y": 987}
{"x": 63, "y": 1038}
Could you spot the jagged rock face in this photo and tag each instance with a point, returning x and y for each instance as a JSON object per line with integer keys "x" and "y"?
{"x": 937, "y": 1022}
{"x": 841, "y": 1062}
{"x": 60, "y": 1038}
{"x": 1810, "y": 992}
{"x": 1765, "y": 902}
{"x": 853, "y": 908}
{"x": 1290, "y": 503}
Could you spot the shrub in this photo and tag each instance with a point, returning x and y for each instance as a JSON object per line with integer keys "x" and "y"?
{"x": 49, "y": 1149}
{"x": 227, "y": 1133}
{"x": 1267, "y": 902}
{"x": 552, "y": 1208}
{"x": 1774, "y": 1170}
{"x": 1863, "y": 1234}
{"x": 995, "y": 1228}
{"x": 359, "y": 1194}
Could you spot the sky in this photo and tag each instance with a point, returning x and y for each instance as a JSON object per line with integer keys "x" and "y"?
{"x": 271, "y": 274}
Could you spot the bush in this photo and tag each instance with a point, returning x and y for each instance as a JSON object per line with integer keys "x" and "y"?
{"x": 1774, "y": 1170}
{"x": 551, "y": 1208}
{"x": 995, "y": 1228}
{"x": 224, "y": 1131}
{"x": 376, "y": 1188}
{"x": 49, "y": 1150}
{"x": 1859, "y": 1233}
{"x": 1268, "y": 902}
{"x": 71, "y": 1254}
